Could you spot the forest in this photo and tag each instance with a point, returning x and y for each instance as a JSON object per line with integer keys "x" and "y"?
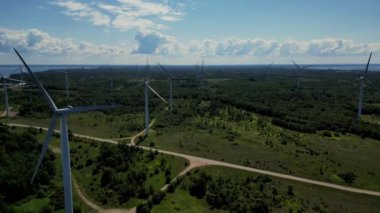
{"x": 249, "y": 117}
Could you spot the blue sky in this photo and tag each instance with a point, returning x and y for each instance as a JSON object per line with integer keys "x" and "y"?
{"x": 182, "y": 32}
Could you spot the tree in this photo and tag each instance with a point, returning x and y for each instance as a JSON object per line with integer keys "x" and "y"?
{"x": 348, "y": 177}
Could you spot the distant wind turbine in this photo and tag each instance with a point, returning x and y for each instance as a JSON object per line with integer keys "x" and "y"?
{"x": 5, "y": 81}
{"x": 147, "y": 87}
{"x": 21, "y": 72}
{"x": 202, "y": 74}
{"x": 111, "y": 74}
{"x": 363, "y": 79}
{"x": 62, "y": 114}
{"x": 170, "y": 77}
{"x": 300, "y": 69}
{"x": 267, "y": 68}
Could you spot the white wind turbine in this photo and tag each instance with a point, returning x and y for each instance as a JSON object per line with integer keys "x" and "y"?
{"x": 62, "y": 114}
{"x": 147, "y": 87}
{"x": 170, "y": 77}
{"x": 267, "y": 68}
{"x": 201, "y": 75}
{"x": 363, "y": 79}
{"x": 67, "y": 84}
{"x": 5, "y": 81}
{"x": 21, "y": 73}
{"x": 300, "y": 69}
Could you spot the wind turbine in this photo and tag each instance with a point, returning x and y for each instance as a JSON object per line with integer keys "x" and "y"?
{"x": 300, "y": 69}
{"x": 21, "y": 72}
{"x": 267, "y": 67}
{"x": 170, "y": 77}
{"x": 147, "y": 87}
{"x": 62, "y": 114}
{"x": 363, "y": 79}
{"x": 67, "y": 85}
{"x": 201, "y": 76}
{"x": 5, "y": 80}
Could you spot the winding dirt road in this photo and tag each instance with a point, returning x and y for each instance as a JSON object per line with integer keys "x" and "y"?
{"x": 195, "y": 162}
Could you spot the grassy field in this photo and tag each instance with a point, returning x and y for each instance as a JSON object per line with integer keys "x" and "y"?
{"x": 310, "y": 198}
{"x": 257, "y": 143}
{"x": 95, "y": 124}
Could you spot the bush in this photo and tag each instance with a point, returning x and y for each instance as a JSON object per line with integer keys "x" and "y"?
{"x": 157, "y": 197}
{"x": 348, "y": 177}
{"x": 143, "y": 208}
{"x": 327, "y": 134}
{"x": 171, "y": 188}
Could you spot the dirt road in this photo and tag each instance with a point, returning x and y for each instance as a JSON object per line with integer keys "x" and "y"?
{"x": 195, "y": 161}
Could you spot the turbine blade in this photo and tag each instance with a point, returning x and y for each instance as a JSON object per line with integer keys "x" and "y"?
{"x": 42, "y": 89}
{"x": 156, "y": 93}
{"x": 295, "y": 64}
{"x": 139, "y": 84}
{"x": 45, "y": 145}
{"x": 14, "y": 80}
{"x": 163, "y": 68}
{"x": 366, "y": 69}
{"x": 91, "y": 108}
{"x": 268, "y": 66}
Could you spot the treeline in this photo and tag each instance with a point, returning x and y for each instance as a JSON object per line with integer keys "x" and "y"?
{"x": 314, "y": 109}
{"x": 18, "y": 157}
{"x": 238, "y": 194}
{"x": 324, "y": 102}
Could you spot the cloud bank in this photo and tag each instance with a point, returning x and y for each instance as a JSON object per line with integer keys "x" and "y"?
{"x": 37, "y": 42}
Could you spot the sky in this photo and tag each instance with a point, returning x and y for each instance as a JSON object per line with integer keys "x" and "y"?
{"x": 185, "y": 31}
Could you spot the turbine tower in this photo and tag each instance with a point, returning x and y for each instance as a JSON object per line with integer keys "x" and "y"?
{"x": 111, "y": 74}
{"x": 62, "y": 114}
{"x": 202, "y": 72}
{"x": 300, "y": 69}
{"x": 21, "y": 73}
{"x": 362, "y": 79}
{"x": 170, "y": 78}
{"x": 67, "y": 85}
{"x": 5, "y": 81}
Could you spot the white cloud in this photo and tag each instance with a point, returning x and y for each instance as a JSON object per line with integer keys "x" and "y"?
{"x": 83, "y": 11}
{"x": 38, "y": 42}
{"x": 262, "y": 47}
{"x": 156, "y": 43}
{"x": 124, "y": 15}
{"x": 231, "y": 50}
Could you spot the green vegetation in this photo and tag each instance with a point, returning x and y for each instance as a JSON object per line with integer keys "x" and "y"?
{"x": 241, "y": 137}
{"x": 229, "y": 189}
{"x": 18, "y": 154}
{"x": 19, "y": 151}
{"x": 121, "y": 175}
{"x": 96, "y": 124}
{"x": 241, "y": 116}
